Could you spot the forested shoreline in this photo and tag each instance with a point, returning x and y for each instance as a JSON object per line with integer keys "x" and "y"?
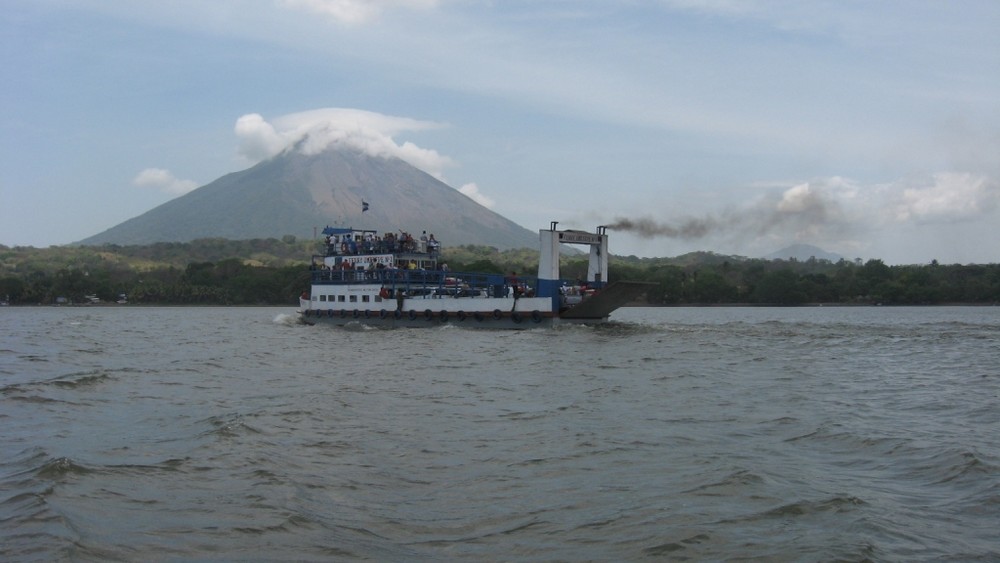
{"x": 275, "y": 272}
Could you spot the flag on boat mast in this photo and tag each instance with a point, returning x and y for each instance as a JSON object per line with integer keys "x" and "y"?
{"x": 364, "y": 206}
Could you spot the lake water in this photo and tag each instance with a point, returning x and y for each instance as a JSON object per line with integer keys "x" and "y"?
{"x": 769, "y": 434}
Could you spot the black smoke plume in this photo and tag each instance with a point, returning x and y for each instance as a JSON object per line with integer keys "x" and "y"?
{"x": 650, "y": 228}
{"x": 799, "y": 210}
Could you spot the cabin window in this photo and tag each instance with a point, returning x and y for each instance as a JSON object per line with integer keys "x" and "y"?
{"x": 365, "y": 298}
{"x": 354, "y": 299}
{"x": 340, "y": 298}
{"x": 322, "y": 297}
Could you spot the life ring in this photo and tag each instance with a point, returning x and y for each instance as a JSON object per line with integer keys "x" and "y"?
{"x": 343, "y": 313}
{"x": 444, "y": 316}
{"x": 497, "y": 314}
{"x": 368, "y": 314}
{"x": 382, "y": 314}
{"x": 478, "y": 316}
{"x": 307, "y": 312}
{"x": 329, "y": 313}
{"x": 413, "y": 314}
{"x": 428, "y": 314}
{"x": 515, "y": 316}
{"x": 355, "y": 313}
{"x": 461, "y": 315}
{"x": 397, "y": 313}
{"x": 536, "y": 316}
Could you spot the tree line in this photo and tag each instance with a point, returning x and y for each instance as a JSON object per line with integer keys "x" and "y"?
{"x": 275, "y": 272}
{"x": 206, "y": 271}
{"x": 226, "y": 282}
{"x": 791, "y": 282}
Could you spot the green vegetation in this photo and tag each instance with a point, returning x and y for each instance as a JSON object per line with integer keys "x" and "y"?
{"x": 205, "y": 271}
{"x": 274, "y": 272}
{"x": 719, "y": 280}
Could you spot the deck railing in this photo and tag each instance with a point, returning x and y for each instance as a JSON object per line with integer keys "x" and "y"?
{"x": 428, "y": 282}
{"x": 436, "y": 283}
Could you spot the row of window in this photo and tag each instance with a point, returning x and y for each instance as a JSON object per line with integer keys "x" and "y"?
{"x": 353, "y": 298}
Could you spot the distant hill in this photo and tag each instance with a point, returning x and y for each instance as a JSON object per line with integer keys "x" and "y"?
{"x": 297, "y": 194}
{"x": 803, "y": 252}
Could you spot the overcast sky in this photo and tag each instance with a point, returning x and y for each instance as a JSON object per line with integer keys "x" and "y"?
{"x": 867, "y": 128}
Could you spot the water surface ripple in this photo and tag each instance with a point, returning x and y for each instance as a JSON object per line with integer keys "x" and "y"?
{"x": 799, "y": 434}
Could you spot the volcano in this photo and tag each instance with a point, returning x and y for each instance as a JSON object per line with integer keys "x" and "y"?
{"x": 299, "y": 194}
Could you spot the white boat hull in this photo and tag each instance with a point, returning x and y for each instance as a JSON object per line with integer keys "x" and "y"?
{"x": 527, "y": 312}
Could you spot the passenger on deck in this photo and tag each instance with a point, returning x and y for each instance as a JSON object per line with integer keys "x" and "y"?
{"x": 513, "y": 290}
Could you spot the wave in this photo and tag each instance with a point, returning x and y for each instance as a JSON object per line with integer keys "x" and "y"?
{"x": 932, "y": 463}
{"x": 617, "y": 329}
{"x": 728, "y": 486}
{"x": 951, "y": 466}
{"x": 43, "y": 518}
{"x": 36, "y": 464}
{"x": 227, "y": 426}
{"x": 807, "y": 507}
{"x": 62, "y": 467}
{"x": 291, "y": 523}
{"x": 34, "y": 398}
{"x": 37, "y": 391}
{"x": 34, "y": 467}
{"x": 69, "y": 381}
{"x": 85, "y": 379}
{"x": 287, "y": 319}
{"x": 669, "y": 548}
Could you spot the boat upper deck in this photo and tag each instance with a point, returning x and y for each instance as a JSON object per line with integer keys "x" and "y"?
{"x": 404, "y": 262}
{"x": 354, "y": 242}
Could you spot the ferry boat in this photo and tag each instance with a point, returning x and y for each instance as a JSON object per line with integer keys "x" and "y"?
{"x": 398, "y": 281}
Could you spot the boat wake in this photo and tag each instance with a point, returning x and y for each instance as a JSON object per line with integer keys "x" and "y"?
{"x": 287, "y": 319}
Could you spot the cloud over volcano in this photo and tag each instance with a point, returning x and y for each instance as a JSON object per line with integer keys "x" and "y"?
{"x": 311, "y": 132}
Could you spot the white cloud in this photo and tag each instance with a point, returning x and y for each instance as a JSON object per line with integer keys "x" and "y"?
{"x": 797, "y": 199}
{"x": 471, "y": 190}
{"x": 164, "y": 181}
{"x": 259, "y": 140}
{"x": 354, "y": 12}
{"x": 837, "y": 204}
{"x": 834, "y": 212}
{"x": 829, "y": 206}
{"x": 313, "y": 131}
{"x": 949, "y": 196}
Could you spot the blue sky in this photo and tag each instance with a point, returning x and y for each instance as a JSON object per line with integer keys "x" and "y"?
{"x": 867, "y": 128}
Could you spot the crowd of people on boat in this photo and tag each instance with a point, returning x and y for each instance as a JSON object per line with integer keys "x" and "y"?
{"x": 426, "y": 273}
{"x": 374, "y": 269}
{"x": 370, "y": 242}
